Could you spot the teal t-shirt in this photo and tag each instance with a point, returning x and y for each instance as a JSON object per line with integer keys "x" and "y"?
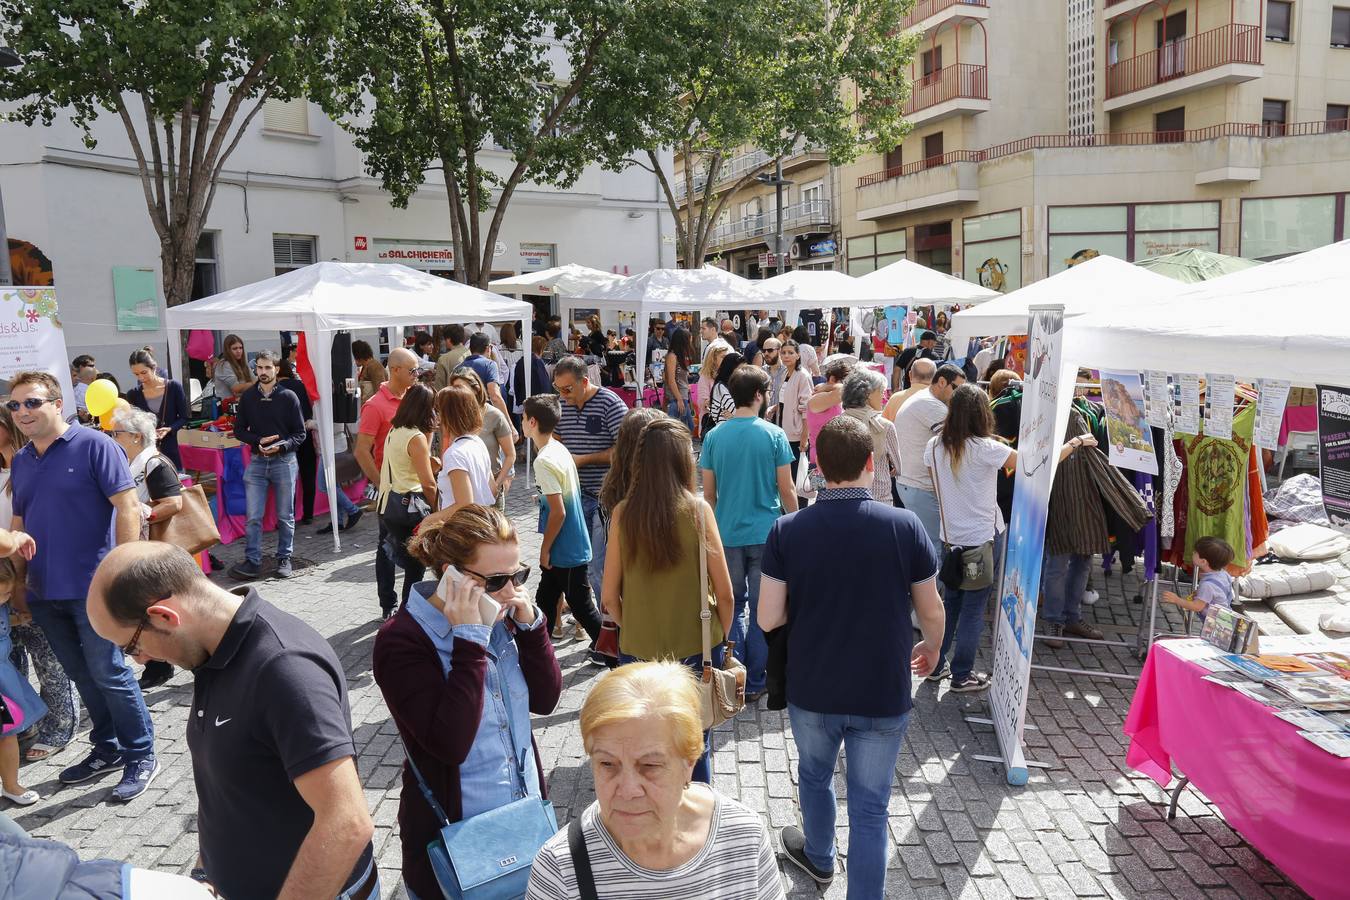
{"x": 744, "y": 455}
{"x": 555, "y": 473}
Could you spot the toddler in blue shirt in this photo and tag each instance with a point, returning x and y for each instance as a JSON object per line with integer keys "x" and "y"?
{"x": 1215, "y": 588}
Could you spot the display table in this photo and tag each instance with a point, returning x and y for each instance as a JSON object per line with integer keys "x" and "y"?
{"x": 207, "y": 459}
{"x": 1285, "y": 795}
{"x": 1297, "y": 418}
{"x": 650, "y": 396}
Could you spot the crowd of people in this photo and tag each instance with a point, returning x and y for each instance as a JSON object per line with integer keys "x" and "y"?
{"x": 809, "y": 485}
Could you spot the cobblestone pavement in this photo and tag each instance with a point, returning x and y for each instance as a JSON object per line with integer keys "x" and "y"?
{"x": 1084, "y": 827}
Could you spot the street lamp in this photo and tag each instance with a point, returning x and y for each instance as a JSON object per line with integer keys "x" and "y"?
{"x": 8, "y": 60}
{"x": 778, "y": 182}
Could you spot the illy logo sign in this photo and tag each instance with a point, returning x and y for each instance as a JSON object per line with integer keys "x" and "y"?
{"x": 361, "y": 242}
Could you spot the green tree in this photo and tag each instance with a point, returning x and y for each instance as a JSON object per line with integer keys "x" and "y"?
{"x": 773, "y": 75}
{"x": 446, "y": 86}
{"x": 185, "y": 77}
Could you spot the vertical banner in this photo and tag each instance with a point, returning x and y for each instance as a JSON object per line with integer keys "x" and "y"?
{"x": 1270, "y": 401}
{"x": 31, "y": 338}
{"x": 1038, "y": 442}
{"x": 1333, "y": 447}
{"x": 1126, "y": 427}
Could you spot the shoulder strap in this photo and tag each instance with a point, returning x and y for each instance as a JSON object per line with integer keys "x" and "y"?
{"x": 705, "y": 614}
{"x": 581, "y": 861}
{"x": 426, "y": 791}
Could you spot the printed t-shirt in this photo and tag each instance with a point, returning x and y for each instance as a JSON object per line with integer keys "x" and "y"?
{"x": 969, "y": 495}
{"x": 915, "y": 425}
{"x": 744, "y": 454}
{"x": 377, "y": 417}
{"x": 555, "y": 473}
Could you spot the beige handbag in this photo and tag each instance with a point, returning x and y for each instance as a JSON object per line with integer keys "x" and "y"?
{"x": 193, "y": 527}
{"x": 722, "y": 690}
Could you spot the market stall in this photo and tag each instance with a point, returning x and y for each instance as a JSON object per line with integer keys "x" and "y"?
{"x": 326, "y": 297}
{"x": 566, "y": 279}
{"x": 914, "y": 284}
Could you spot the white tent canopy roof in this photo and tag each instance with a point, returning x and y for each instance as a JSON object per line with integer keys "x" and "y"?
{"x": 909, "y": 282}
{"x": 1288, "y": 319}
{"x": 566, "y": 279}
{"x": 807, "y": 288}
{"x": 1104, "y": 282}
{"x": 332, "y": 296}
{"x": 674, "y": 290}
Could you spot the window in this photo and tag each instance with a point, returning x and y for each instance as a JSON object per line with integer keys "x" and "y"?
{"x": 205, "y": 271}
{"x": 289, "y": 116}
{"x": 1279, "y": 20}
{"x": 1129, "y": 232}
{"x": 872, "y": 252}
{"x": 1170, "y": 126}
{"x": 291, "y": 251}
{"x": 1280, "y": 226}
{"x": 932, "y": 149}
{"x": 812, "y": 197}
{"x": 1340, "y": 26}
{"x": 932, "y": 64}
{"x": 1338, "y": 116}
{"x": 1273, "y": 113}
{"x": 992, "y": 250}
{"x": 894, "y": 160}
{"x": 1169, "y": 35}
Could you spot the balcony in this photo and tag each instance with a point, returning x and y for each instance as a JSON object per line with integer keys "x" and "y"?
{"x": 937, "y": 181}
{"x": 928, "y": 15}
{"x": 1229, "y": 54}
{"x": 738, "y": 166}
{"x": 1114, "y": 9}
{"x": 958, "y": 90}
{"x": 800, "y": 216}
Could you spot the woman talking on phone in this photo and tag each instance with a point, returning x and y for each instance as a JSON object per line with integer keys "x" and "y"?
{"x": 462, "y": 666}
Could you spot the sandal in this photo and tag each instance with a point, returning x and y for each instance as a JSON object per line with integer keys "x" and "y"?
{"x": 41, "y": 751}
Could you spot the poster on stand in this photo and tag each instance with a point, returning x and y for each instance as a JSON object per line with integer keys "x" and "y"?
{"x": 1333, "y": 447}
{"x": 1127, "y": 429}
{"x": 1188, "y": 415}
{"x": 31, "y": 338}
{"x": 1272, "y": 394}
{"x": 1157, "y": 399}
{"x": 1219, "y": 406}
{"x": 1039, "y": 440}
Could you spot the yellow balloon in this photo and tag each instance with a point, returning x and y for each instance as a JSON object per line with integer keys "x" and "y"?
{"x": 100, "y": 397}
{"x": 121, "y": 403}
{"x": 105, "y": 421}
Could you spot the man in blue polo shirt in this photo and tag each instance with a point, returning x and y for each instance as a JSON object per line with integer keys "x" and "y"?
{"x": 74, "y": 494}
{"x": 747, "y": 480}
{"x": 843, "y": 574}
{"x": 486, "y": 370}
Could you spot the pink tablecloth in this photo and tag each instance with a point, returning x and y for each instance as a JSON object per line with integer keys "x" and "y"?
{"x": 207, "y": 459}
{"x": 1297, "y": 418}
{"x": 1285, "y": 795}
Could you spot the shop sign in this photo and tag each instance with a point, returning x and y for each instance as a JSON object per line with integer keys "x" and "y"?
{"x": 535, "y": 258}
{"x": 359, "y": 242}
{"x": 1333, "y": 441}
{"x": 823, "y": 248}
{"x": 415, "y": 254}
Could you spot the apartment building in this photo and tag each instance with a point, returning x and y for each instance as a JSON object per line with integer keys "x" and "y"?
{"x": 1047, "y": 132}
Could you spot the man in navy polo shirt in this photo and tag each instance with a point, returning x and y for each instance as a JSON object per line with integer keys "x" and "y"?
{"x": 843, "y": 575}
{"x": 74, "y": 494}
{"x": 486, "y": 370}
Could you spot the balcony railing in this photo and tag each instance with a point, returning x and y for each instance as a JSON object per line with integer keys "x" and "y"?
{"x": 925, "y": 8}
{"x": 1127, "y": 139}
{"x": 734, "y": 168}
{"x": 807, "y": 212}
{"x": 1176, "y": 59}
{"x": 964, "y": 81}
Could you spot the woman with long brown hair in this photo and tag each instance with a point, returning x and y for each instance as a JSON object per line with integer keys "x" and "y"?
{"x": 496, "y": 434}
{"x": 652, "y": 566}
{"x": 231, "y": 373}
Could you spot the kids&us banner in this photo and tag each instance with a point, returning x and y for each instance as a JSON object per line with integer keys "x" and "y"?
{"x": 31, "y": 338}
{"x": 1038, "y": 443}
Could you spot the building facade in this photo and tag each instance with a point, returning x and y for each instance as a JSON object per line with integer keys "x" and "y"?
{"x": 295, "y": 191}
{"x": 1047, "y": 132}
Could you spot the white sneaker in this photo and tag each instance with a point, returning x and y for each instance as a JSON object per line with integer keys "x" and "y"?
{"x": 1090, "y": 598}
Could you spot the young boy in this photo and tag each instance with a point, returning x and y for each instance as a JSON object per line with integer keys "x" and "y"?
{"x": 565, "y": 554}
{"x": 1211, "y": 556}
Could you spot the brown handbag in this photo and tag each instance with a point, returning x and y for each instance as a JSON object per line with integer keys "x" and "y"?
{"x": 722, "y": 690}
{"x": 193, "y": 527}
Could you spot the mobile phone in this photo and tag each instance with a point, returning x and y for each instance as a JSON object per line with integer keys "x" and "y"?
{"x": 488, "y": 609}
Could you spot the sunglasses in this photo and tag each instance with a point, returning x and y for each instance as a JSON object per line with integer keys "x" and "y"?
{"x": 494, "y": 583}
{"x": 29, "y": 403}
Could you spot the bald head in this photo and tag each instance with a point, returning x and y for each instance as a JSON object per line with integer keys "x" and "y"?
{"x": 134, "y": 576}
{"x": 402, "y": 370}
{"x": 921, "y": 371}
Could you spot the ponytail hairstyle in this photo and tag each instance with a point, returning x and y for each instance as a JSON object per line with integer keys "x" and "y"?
{"x": 143, "y": 357}
{"x": 660, "y": 494}
{"x": 455, "y": 541}
{"x": 620, "y": 474}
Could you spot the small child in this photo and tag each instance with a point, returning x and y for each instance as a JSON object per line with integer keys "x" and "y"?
{"x": 21, "y": 704}
{"x": 565, "y": 554}
{"x": 1212, "y": 555}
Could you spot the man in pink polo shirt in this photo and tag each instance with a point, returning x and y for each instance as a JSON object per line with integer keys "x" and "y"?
{"x": 377, "y": 415}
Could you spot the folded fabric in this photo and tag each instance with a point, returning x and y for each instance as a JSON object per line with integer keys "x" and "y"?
{"x": 1266, "y": 582}
{"x": 1336, "y": 620}
{"x": 1309, "y": 541}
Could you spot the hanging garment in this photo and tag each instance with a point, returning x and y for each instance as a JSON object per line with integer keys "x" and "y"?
{"x": 1086, "y": 484}
{"x": 1218, "y": 485}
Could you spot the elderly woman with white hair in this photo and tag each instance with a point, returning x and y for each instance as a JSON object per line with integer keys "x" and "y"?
{"x": 862, "y": 397}
{"x": 653, "y": 832}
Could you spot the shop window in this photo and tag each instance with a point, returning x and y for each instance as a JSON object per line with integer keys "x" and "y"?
{"x": 289, "y": 116}
{"x": 1338, "y": 116}
{"x": 205, "y": 268}
{"x": 992, "y": 251}
{"x": 1340, "y": 26}
{"x": 1274, "y": 117}
{"x": 1129, "y": 232}
{"x": 1279, "y": 20}
{"x": 873, "y": 251}
{"x": 1170, "y": 126}
{"x": 1280, "y": 226}
{"x": 932, "y": 150}
{"x": 292, "y": 251}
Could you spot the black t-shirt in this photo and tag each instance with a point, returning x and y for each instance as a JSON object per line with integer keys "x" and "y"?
{"x": 161, "y": 480}
{"x": 812, "y": 318}
{"x": 269, "y": 706}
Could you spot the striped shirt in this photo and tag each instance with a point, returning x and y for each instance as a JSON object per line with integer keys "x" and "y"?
{"x": 591, "y": 429}
{"x": 737, "y": 863}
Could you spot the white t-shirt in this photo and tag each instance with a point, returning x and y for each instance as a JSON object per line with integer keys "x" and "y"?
{"x": 468, "y": 454}
{"x": 915, "y": 425}
{"x": 970, "y": 510}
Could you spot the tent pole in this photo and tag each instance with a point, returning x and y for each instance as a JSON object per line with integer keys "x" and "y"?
{"x": 641, "y": 367}
{"x": 527, "y": 369}
{"x": 320, "y": 344}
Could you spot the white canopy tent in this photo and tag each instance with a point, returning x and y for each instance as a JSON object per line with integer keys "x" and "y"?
{"x": 566, "y": 279}
{"x": 821, "y": 289}
{"x": 666, "y": 291}
{"x": 917, "y": 285}
{"x": 330, "y": 296}
{"x": 1104, "y": 282}
{"x": 1287, "y": 319}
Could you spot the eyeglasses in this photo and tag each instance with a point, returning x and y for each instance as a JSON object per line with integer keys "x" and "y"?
{"x": 494, "y": 583}
{"x": 132, "y": 648}
{"x": 28, "y": 403}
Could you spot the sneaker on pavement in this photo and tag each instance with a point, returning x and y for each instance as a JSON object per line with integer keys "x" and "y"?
{"x": 1052, "y": 633}
{"x": 245, "y": 570}
{"x": 155, "y": 674}
{"x": 92, "y": 766}
{"x": 352, "y": 520}
{"x": 1084, "y": 630}
{"x": 975, "y": 681}
{"x": 596, "y": 658}
{"x": 136, "y": 777}
{"x": 328, "y": 529}
{"x": 284, "y": 568}
{"x": 941, "y": 672}
{"x": 794, "y": 851}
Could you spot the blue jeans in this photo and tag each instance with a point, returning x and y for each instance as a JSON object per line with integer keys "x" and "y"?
{"x": 346, "y": 508}
{"x": 924, "y": 505}
{"x": 703, "y": 767}
{"x": 106, "y": 684}
{"x": 965, "y": 624}
{"x": 1064, "y": 582}
{"x": 263, "y": 472}
{"x": 872, "y": 746}
{"x": 744, "y": 565}
{"x": 673, "y": 411}
{"x": 598, "y": 524}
